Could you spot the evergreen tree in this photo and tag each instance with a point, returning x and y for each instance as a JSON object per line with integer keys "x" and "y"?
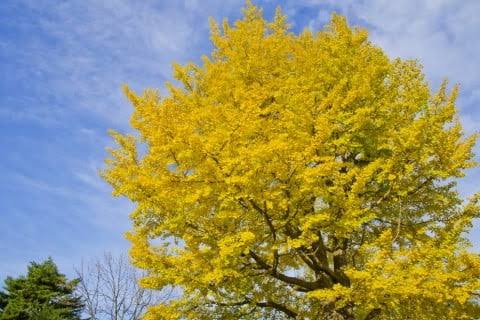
{"x": 3, "y": 301}
{"x": 43, "y": 294}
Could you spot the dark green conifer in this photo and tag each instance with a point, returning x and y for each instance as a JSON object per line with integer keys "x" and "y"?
{"x": 43, "y": 294}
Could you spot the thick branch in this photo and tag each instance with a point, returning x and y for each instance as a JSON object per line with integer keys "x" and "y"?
{"x": 279, "y": 307}
{"x": 273, "y": 231}
{"x": 320, "y": 250}
{"x": 310, "y": 258}
{"x": 305, "y": 285}
{"x": 263, "y": 212}
{"x": 373, "y": 314}
{"x": 268, "y": 304}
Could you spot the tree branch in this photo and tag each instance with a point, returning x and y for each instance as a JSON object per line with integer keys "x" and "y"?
{"x": 373, "y": 314}
{"x": 305, "y": 285}
{"x": 279, "y": 307}
{"x": 267, "y": 304}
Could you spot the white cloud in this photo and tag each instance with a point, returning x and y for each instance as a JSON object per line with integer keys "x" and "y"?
{"x": 440, "y": 33}
{"x": 81, "y": 52}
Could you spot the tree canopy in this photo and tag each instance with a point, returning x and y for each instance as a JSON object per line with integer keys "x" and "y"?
{"x": 43, "y": 294}
{"x": 304, "y": 176}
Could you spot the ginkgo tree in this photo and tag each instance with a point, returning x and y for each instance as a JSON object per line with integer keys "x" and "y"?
{"x": 302, "y": 176}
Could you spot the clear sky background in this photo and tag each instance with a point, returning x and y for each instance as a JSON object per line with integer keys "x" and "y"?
{"x": 62, "y": 64}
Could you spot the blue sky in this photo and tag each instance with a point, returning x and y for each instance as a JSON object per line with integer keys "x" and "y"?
{"x": 62, "y": 64}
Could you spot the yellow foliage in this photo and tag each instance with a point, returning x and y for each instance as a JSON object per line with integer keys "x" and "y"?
{"x": 306, "y": 176}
